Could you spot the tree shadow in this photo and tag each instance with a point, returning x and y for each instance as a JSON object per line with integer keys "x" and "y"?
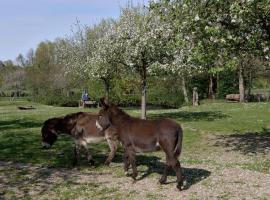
{"x": 26, "y": 180}
{"x": 247, "y": 143}
{"x": 154, "y": 166}
{"x": 99, "y": 159}
{"x": 190, "y": 116}
{"x": 18, "y": 123}
{"x": 192, "y": 175}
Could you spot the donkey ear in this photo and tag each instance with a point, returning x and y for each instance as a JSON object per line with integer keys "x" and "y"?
{"x": 104, "y": 102}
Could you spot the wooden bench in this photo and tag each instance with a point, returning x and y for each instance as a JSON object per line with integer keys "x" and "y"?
{"x": 233, "y": 97}
{"x": 85, "y": 104}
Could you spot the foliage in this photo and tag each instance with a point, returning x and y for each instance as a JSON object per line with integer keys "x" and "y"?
{"x": 12, "y": 79}
{"x": 194, "y": 43}
{"x": 227, "y": 83}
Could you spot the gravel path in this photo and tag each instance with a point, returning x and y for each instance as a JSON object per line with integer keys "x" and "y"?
{"x": 203, "y": 182}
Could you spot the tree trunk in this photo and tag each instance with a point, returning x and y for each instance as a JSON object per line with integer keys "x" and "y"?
{"x": 107, "y": 87}
{"x": 249, "y": 83}
{"x": 143, "y": 103}
{"x": 195, "y": 101}
{"x": 184, "y": 89}
{"x": 241, "y": 84}
{"x": 217, "y": 90}
{"x": 107, "y": 90}
{"x": 210, "y": 88}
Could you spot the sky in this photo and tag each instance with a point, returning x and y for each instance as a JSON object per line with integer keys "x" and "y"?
{"x": 25, "y": 23}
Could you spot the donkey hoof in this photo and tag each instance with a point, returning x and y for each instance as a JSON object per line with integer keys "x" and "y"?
{"x": 185, "y": 183}
{"x": 162, "y": 181}
{"x": 180, "y": 187}
{"x": 134, "y": 175}
{"x": 91, "y": 162}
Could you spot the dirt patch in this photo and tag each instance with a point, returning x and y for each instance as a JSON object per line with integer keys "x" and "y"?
{"x": 37, "y": 182}
{"x": 248, "y": 143}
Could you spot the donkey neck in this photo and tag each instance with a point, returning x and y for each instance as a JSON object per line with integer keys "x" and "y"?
{"x": 118, "y": 116}
{"x": 66, "y": 125}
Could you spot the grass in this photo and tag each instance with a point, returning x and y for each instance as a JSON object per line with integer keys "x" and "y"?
{"x": 239, "y": 133}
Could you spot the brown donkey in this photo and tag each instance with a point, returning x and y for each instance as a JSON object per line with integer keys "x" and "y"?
{"x": 139, "y": 135}
{"x": 82, "y": 128}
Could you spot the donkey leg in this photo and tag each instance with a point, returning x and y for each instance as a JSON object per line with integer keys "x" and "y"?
{"x": 132, "y": 160}
{"x": 76, "y": 154}
{"x": 171, "y": 161}
{"x": 87, "y": 154}
{"x": 89, "y": 157}
{"x": 126, "y": 162}
{"x": 177, "y": 168}
{"x": 163, "y": 178}
{"x": 113, "y": 147}
{"x": 168, "y": 149}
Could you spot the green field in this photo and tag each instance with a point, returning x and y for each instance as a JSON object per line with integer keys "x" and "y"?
{"x": 218, "y": 137}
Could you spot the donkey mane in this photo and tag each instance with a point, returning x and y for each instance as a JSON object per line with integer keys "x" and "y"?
{"x": 68, "y": 117}
{"x": 64, "y": 123}
{"x": 73, "y": 116}
{"x": 119, "y": 112}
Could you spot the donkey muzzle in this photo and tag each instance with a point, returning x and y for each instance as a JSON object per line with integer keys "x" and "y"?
{"x": 45, "y": 145}
{"x": 99, "y": 127}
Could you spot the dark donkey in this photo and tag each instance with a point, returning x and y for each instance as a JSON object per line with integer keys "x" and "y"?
{"x": 139, "y": 135}
{"x": 82, "y": 128}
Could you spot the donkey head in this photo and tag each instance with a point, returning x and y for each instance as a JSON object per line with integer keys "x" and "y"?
{"x": 103, "y": 122}
{"x": 48, "y": 133}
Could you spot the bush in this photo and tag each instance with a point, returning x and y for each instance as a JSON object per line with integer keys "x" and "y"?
{"x": 165, "y": 92}
{"x": 57, "y": 98}
{"x": 201, "y": 82}
{"x": 227, "y": 83}
{"x": 161, "y": 92}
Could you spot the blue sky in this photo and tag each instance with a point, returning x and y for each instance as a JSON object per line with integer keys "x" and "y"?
{"x": 25, "y": 23}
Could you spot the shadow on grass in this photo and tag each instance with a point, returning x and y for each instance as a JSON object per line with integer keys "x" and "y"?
{"x": 30, "y": 181}
{"x": 247, "y": 143}
{"x": 24, "y": 146}
{"x": 18, "y": 124}
{"x": 192, "y": 175}
{"x": 190, "y": 116}
{"x": 154, "y": 166}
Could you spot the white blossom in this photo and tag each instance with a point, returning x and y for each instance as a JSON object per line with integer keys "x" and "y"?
{"x": 197, "y": 18}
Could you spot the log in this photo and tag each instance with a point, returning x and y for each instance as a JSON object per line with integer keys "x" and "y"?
{"x": 233, "y": 97}
{"x": 26, "y": 107}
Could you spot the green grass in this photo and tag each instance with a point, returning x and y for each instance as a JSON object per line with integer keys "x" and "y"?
{"x": 212, "y": 130}
{"x": 21, "y": 142}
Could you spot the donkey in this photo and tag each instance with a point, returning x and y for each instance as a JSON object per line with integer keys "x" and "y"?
{"x": 81, "y": 127}
{"x": 138, "y": 135}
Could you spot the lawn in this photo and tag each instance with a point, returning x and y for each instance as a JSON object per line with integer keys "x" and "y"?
{"x": 225, "y": 144}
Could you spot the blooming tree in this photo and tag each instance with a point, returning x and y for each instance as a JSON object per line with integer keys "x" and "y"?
{"x": 143, "y": 40}
{"x": 89, "y": 52}
{"x": 218, "y": 34}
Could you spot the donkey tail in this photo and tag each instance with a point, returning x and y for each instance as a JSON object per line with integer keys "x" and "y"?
{"x": 178, "y": 147}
